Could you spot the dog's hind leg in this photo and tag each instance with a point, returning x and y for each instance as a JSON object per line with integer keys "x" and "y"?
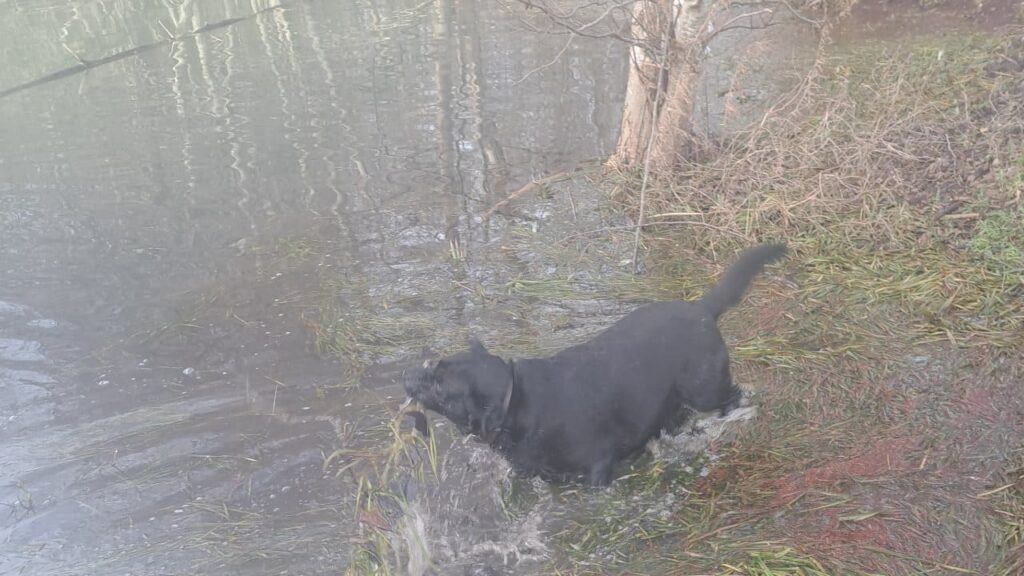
{"x": 735, "y": 401}
{"x": 600, "y": 473}
{"x": 677, "y": 421}
{"x": 714, "y": 390}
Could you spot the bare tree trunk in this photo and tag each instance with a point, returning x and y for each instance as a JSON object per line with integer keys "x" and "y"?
{"x": 649, "y": 19}
{"x": 654, "y": 21}
{"x": 675, "y": 120}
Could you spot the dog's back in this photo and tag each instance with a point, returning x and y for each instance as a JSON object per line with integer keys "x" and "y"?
{"x": 616, "y": 391}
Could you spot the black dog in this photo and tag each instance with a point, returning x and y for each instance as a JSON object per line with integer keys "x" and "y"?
{"x": 577, "y": 413}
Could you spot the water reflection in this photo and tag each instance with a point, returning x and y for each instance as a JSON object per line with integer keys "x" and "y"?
{"x": 176, "y": 222}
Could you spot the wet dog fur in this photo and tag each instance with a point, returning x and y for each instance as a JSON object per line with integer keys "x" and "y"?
{"x": 575, "y": 414}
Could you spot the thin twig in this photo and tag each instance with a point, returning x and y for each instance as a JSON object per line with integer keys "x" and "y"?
{"x": 729, "y": 24}
{"x": 526, "y": 188}
{"x": 170, "y": 36}
{"x": 720, "y": 229}
{"x": 650, "y": 140}
{"x": 562, "y": 21}
{"x": 75, "y": 56}
{"x": 557, "y": 57}
{"x": 799, "y": 15}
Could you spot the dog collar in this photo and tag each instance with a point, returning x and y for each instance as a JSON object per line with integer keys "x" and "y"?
{"x": 505, "y": 403}
{"x": 508, "y": 393}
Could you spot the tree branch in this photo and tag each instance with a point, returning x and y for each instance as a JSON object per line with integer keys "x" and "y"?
{"x": 549, "y": 64}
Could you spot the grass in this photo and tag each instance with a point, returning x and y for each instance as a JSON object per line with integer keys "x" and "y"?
{"x": 999, "y": 239}
{"x": 391, "y": 533}
{"x": 1008, "y": 502}
{"x": 611, "y": 528}
{"x": 776, "y": 562}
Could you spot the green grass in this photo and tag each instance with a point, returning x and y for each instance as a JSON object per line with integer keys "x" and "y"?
{"x": 999, "y": 238}
{"x": 776, "y": 562}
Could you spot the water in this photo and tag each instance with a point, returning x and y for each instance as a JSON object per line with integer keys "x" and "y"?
{"x": 178, "y": 225}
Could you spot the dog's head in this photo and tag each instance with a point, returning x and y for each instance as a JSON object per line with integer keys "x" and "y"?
{"x": 473, "y": 389}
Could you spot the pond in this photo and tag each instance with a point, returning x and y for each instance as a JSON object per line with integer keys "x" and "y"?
{"x": 226, "y": 230}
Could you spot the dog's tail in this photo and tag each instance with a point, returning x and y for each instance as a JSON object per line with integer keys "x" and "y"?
{"x": 734, "y": 283}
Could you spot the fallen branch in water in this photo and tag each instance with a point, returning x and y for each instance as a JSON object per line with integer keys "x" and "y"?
{"x": 528, "y": 187}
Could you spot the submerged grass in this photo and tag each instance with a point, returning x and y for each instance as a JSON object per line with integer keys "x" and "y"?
{"x": 390, "y": 538}
{"x": 776, "y": 562}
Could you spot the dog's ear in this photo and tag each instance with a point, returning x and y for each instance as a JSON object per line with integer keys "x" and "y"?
{"x": 439, "y": 369}
{"x": 476, "y": 346}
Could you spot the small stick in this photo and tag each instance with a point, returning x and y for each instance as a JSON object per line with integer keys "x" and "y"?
{"x": 526, "y": 188}
{"x": 650, "y": 142}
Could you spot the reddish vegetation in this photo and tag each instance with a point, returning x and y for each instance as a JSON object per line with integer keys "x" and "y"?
{"x": 883, "y": 457}
{"x": 977, "y": 403}
{"x": 824, "y": 534}
{"x": 829, "y": 531}
{"x": 839, "y": 532}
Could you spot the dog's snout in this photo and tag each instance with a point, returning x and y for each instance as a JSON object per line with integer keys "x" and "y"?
{"x": 407, "y": 382}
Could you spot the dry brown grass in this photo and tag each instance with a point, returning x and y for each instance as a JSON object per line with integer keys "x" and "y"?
{"x": 869, "y": 151}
